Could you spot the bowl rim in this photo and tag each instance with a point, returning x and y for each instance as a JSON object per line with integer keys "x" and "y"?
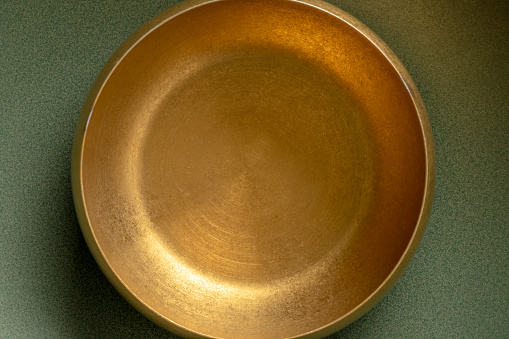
{"x": 87, "y": 111}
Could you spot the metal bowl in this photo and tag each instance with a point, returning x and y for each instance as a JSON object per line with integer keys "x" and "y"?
{"x": 253, "y": 169}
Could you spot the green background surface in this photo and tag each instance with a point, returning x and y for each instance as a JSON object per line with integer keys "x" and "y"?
{"x": 457, "y": 53}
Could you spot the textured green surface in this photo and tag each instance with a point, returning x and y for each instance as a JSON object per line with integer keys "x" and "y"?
{"x": 457, "y": 53}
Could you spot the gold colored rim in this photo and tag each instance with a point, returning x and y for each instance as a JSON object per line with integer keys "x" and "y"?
{"x": 87, "y": 111}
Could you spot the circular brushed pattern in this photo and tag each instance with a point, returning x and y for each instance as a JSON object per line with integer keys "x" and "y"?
{"x": 259, "y": 179}
{"x": 253, "y": 169}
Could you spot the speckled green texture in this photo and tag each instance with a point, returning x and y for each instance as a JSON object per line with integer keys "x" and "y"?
{"x": 457, "y": 53}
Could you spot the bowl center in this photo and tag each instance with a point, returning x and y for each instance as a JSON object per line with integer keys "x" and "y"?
{"x": 254, "y": 166}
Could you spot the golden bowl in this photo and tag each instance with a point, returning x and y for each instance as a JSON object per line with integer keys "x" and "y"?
{"x": 253, "y": 169}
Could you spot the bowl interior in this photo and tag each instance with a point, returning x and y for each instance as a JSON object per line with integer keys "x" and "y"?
{"x": 253, "y": 169}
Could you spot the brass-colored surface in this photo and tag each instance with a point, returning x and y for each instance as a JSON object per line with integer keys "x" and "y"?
{"x": 253, "y": 169}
